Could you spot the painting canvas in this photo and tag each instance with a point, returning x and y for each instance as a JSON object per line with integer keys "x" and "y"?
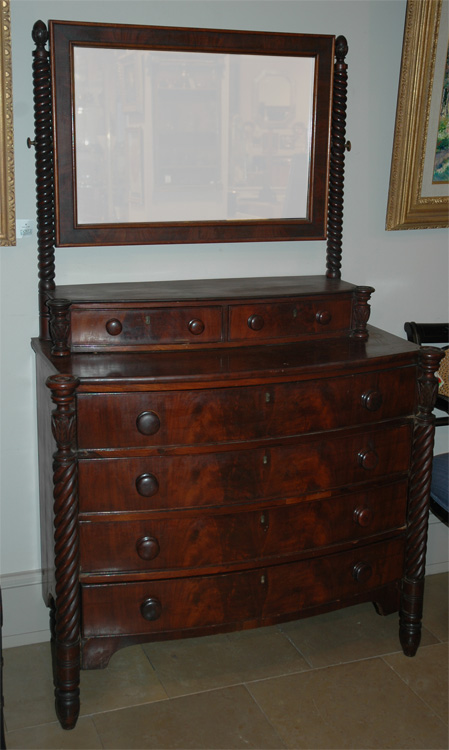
{"x": 441, "y": 166}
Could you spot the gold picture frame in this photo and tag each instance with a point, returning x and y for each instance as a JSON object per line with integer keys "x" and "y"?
{"x": 413, "y": 201}
{"x": 7, "y": 195}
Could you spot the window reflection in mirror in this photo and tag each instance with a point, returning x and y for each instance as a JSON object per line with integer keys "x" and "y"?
{"x": 185, "y": 136}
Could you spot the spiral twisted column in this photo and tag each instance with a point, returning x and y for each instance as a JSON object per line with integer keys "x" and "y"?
{"x": 412, "y": 588}
{"x": 337, "y": 162}
{"x": 66, "y": 628}
{"x": 43, "y": 143}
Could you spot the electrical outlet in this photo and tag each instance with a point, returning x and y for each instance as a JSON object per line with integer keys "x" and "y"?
{"x": 24, "y": 228}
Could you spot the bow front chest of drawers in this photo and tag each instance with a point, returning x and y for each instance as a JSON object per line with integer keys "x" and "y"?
{"x": 226, "y": 454}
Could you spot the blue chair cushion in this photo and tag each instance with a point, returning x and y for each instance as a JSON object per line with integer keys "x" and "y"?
{"x": 440, "y": 480}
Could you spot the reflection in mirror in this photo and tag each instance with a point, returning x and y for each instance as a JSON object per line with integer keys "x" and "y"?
{"x": 182, "y": 136}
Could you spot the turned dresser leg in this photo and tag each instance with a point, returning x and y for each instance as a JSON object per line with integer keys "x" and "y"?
{"x": 65, "y": 616}
{"x": 411, "y": 615}
{"x": 412, "y": 589}
{"x": 67, "y": 693}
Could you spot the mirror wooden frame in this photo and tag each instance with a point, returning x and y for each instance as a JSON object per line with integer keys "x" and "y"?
{"x": 65, "y": 36}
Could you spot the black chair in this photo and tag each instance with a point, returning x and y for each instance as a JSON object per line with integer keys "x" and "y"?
{"x": 435, "y": 333}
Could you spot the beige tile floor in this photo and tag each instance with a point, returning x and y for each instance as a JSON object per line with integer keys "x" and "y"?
{"x": 334, "y": 681}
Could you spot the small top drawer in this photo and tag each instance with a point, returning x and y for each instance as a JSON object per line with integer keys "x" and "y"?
{"x": 292, "y": 319}
{"x": 124, "y": 327}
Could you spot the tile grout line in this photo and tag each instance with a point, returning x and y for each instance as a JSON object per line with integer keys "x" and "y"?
{"x": 303, "y": 656}
{"x": 242, "y": 683}
{"x": 430, "y": 707}
{"x": 267, "y": 719}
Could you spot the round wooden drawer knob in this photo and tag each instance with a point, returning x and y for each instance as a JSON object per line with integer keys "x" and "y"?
{"x": 362, "y": 572}
{"x": 323, "y": 317}
{"x": 363, "y": 516}
{"x": 148, "y": 423}
{"x": 151, "y": 609}
{"x": 196, "y": 326}
{"x": 147, "y": 547}
{"x": 147, "y": 485}
{"x": 368, "y": 459}
{"x": 372, "y": 400}
{"x": 114, "y": 327}
{"x": 256, "y": 322}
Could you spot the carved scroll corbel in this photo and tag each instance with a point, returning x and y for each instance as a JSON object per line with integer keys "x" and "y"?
{"x": 412, "y": 589}
{"x": 66, "y": 630}
{"x": 59, "y": 326}
{"x": 361, "y": 312}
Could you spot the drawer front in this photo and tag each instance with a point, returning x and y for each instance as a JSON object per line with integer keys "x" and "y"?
{"x": 288, "y": 319}
{"x": 130, "y": 327}
{"x": 265, "y": 534}
{"x": 242, "y": 413}
{"x": 211, "y": 479}
{"x": 198, "y": 602}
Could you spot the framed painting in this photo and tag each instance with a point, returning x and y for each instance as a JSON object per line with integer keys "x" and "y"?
{"x": 419, "y": 182}
{"x": 7, "y": 200}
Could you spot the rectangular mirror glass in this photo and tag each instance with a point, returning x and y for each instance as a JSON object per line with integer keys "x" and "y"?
{"x": 160, "y": 136}
{"x": 190, "y": 137}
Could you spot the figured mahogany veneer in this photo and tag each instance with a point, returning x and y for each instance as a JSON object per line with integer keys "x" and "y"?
{"x": 124, "y": 327}
{"x": 269, "y": 533}
{"x": 241, "y": 413}
{"x": 312, "y": 464}
{"x": 194, "y": 603}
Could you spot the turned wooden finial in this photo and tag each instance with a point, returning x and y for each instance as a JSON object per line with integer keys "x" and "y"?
{"x": 341, "y": 49}
{"x": 40, "y": 34}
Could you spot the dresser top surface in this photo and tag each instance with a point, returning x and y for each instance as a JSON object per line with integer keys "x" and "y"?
{"x": 202, "y": 289}
{"x": 300, "y": 360}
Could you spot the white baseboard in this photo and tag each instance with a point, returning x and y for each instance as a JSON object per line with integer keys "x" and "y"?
{"x": 437, "y": 559}
{"x": 435, "y": 568}
{"x": 25, "y": 616}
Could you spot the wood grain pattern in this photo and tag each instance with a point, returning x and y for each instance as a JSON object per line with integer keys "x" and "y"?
{"x": 242, "y": 413}
{"x": 236, "y": 597}
{"x": 269, "y": 534}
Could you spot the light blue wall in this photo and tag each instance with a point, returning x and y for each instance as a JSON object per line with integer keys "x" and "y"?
{"x": 409, "y": 269}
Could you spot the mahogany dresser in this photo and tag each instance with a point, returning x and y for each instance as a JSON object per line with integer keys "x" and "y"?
{"x": 222, "y": 454}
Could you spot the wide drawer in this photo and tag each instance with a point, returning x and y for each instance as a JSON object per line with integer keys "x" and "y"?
{"x": 242, "y": 413}
{"x": 236, "y": 476}
{"x": 198, "y": 602}
{"x": 270, "y": 532}
{"x": 123, "y": 327}
{"x": 292, "y": 319}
